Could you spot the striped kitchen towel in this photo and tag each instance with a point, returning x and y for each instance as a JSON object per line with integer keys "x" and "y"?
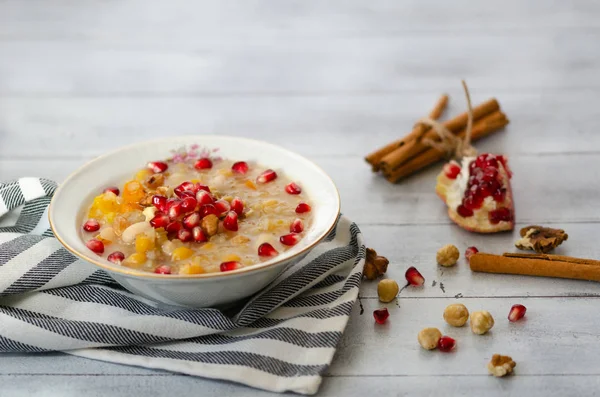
{"x": 282, "y": 339}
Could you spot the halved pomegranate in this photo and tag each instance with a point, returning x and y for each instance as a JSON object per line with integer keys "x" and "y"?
{"x": 479, "y": 196}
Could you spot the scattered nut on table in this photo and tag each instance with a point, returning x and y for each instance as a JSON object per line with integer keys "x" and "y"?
{"x": 429, "y": 338}
{"x": 456, "y": 314}
{"x": 375, "y": 265}
{"x": 447, "y": 255}
{"x": 387, "y": 290}
{"x": 541, "y": 239}
{"x": 481, "y": 322}
{"x": 501, "y": 365}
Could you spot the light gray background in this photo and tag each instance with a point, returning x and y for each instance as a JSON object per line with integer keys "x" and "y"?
{"x": 333, "y": 80}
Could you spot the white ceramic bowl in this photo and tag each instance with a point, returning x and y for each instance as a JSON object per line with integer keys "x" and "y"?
{"x": 68, "y": 206}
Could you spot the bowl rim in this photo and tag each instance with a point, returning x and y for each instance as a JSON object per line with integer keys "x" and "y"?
{"x": 142, "y": 274}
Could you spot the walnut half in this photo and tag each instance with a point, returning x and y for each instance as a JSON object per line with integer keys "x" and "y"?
{"x": 375, "y": 265}
{"x": 501, "y": 365}
{"x": 541, "y": 239}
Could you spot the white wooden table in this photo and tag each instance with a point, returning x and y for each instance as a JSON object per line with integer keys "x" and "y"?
{"x": 333, "y": 80}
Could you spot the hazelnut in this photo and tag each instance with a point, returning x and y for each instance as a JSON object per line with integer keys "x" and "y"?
{"x": 429, "y": 338}
{"x": 375, "y": 265}
{"x": 481, "y": 322}
{"x": 210, "y": 224}
{"x": 501, "y": 365}
{"x": 447, "y": 255}
{"x": 387, "y": 290}
{"x": 456, "y": 314}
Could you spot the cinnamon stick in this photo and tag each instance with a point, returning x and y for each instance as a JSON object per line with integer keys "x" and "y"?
{"x": 375, "y": 158}
{"x": 481, "y": 128}
{"x": 537, "y": 265}
{"x": 410, "y": 149}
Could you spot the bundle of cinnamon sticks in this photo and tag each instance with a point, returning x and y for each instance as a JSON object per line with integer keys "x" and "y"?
{"x": 410, "y": 154}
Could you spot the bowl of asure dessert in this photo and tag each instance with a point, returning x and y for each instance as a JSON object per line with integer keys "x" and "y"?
{"x": 196, "y": 221}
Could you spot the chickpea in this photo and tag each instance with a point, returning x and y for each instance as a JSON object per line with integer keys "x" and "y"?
{"x": 481, "y": 322}
{"x": 447, "y": 255}
{"x": 456, "y": 314}
{"x": 429, "y": 337}
{"x": 387, "y": 290}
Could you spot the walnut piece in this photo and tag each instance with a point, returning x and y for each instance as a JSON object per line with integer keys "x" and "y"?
{"x": 541, "y": 239}
{"x": 375, "y": 265}
{"x": 429, "y": 337}
{"x": 456, "y": 314}
{"x": 501, "y": 365}
{"x": 155, "y": 181}
{"x": 210, "y": 224}
{"x": 481, "y": 322}
{"x": 447, "y": 255}
{"x": 146, "y": 201}
{"x": 387, "y": 289}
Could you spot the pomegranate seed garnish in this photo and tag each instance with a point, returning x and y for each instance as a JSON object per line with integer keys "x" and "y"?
{"x": 381, "y": 315}
{"x": 501, "y": 214}
{"x": 231, "y": 221}
{"x": 204, "y": 197}
{"x": 414, "y": 277}
{"x": 91, "y": 225}
{"x": 470, "y": 252}
{"x": 203, "y": 164}
{"x": 175, "y": 209}
{"x": 267, "y": 176}
{"x": 516, "y": 313}
{"x": 184, "y": 235}
{"x": 451, "y": 170}
{"x": 229, "y": 266}
{"x": 183, "y": 187}
{"x": 188, "y": 204}
{"x": 237, "y": 205}
{"x": 187, "y": 193}
{"x": 302, "y": 208}
{"x": 190, "y": 221}
{"x": 297, "y": 226}
{"x": 266, "y": 249}
{"x": 158, "y": 166}
{"x": 198, "y": 187}
{"x": 289, "y": 239}
{"x": 160, "y": 202}
{"x": 116, "y": 257}
{"x": 96, "y": 246}
{"x": 446, "y": 344}
{"x": 113, "y": 189}
{"x": 163, "y": 269}
{"x": 464, "y": 211}
{"x": 293, "y": 188}
{"x": 173, "y": 227}
{"x": 208, "y": 209}
{"x": 160, "y": 220}
{"x": 241, "y": 167}
{"x": 198, "y": 235}
{"x": 222, "y": 207}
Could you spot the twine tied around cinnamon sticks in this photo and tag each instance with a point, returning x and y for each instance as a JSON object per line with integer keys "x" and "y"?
{"x": 431, "y": 141}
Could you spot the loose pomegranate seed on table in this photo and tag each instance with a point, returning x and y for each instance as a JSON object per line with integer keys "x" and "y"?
{"x": 95, "y": 246}
{"x": 414, "y": 277}
{"x": 302, "y": 208}
{"x": 266, "y": 249}
{"x": 297, "y": 226}
{"x": 267, "y": 176}
{"x": 113, "y": 189}
{"x": 516, "y": 313}
{"x": 158, "y": 166}
{"x": 241, "y": 167}
{"x": 446, "y": 344}
{"x": 381, "y": 315}
{"x": 293, "y": 188}
{"x": 229, "y": 266}
{"x": 91, "y": 225}
{"x": 116, "y": 257}
{"x": 163, "y": 269}
{"x": 470, "y": 252}
{"x": 289, "y": 239}
{"x": 203, "y": 164}
{"x": 231, "y": 221}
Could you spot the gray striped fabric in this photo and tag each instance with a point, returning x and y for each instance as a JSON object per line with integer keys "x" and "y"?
{"x": 282, "y": 339}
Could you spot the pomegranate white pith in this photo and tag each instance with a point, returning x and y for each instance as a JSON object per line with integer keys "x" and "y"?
{"x": 478, "y": 193}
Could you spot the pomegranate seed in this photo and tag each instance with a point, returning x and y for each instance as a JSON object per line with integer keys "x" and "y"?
{"x": 91, "y": 225}
{"x": 158, "y": 166}
{"x": 188, "y": 204}
{"x": 414, "y": 277}
{"x": 501, "y": 214}
{"x": 163, "y": 269}
{"x": 302, "y": 208}
{"x": 267, "y": 176}
{"x": 241, "y": 167}
{"x": 160, "y": 202}
{"x": 208, "y": 209}
{"x": 451, "y": 170}
{"x": 266, "y": 249}
{"x": 183, "y": 187}
{"x": 187, "y": 193}
{"x": 297, "y": 226}
{"x": 198, "y": 235}
{"x": 116, "y": 257}
{"x": 174, "y": 209}
{"x": 472, "y": 167}
{"x": 490, "y": 174}
{"x": 229, "y": 266}
{"x": 464, "y": 211}
{"x": 160, "y": 220}
{"x": 198, "y": 187}
{"x": 516, "y": 313}
{"x": 231, "y": 221}
{"x": 222, "y": 207}
{"x": 204, "y": 197}
{"x": 237, "y": 205}
{"x": 289, "y": 239}
{"x": 446, "y": 344}
{"x": 499, "y": 195}
{"x": 203, "y": 164}
{"x": 381, "y": 315}
{"x": 470, "y": 252}
{"x": 113, "y": 189}
{"x": 293, "y": 188}
{"x": 190, "y": 221}
{"x": 96, "y": 246}
{"x": 184, "y": 235}
{"x": 173, "y": 227}
{"x": 472, "y": 202}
